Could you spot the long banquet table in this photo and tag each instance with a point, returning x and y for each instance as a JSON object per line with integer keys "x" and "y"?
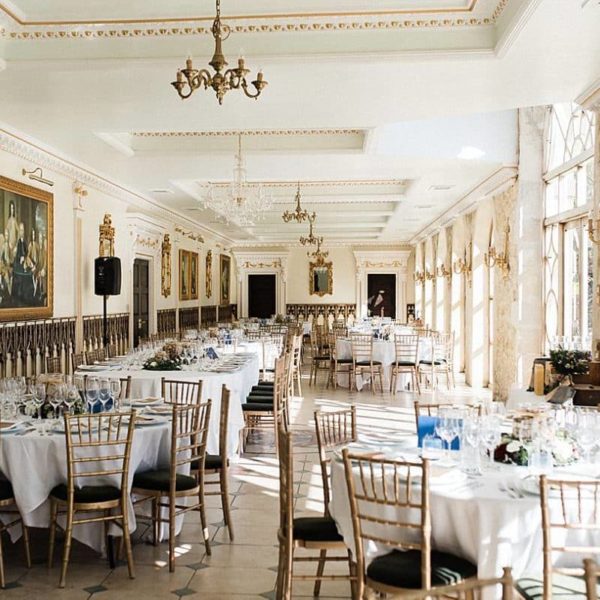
{"x": 479, "y": 519}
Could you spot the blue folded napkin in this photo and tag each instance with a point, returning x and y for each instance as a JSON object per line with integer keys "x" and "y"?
{"x": 211, "y": 353}
{"x": 426, "y": 426}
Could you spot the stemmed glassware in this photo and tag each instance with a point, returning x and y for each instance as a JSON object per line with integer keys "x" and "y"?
{"x": 92, "y": 390}
{"x": 587, "y": 431}
{"x": 56, "y": 399}
{"x": 115, "y": 393}
{"x": 104, "y": 392}
{"x": 447, "y": 429}
{"x": 490, "y": 436}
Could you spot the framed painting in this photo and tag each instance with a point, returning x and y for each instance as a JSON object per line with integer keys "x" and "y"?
{"x": 225, "y": 279}
{"x": 26, "y": 251}
{"x": 193, "y": 276}
{"x": 184, "y": 275}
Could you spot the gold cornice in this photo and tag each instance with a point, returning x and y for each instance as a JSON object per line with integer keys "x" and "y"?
{"x": 323, "y": 183}
{"x": 266, "y": 23}
{"x": 246, "y": 132}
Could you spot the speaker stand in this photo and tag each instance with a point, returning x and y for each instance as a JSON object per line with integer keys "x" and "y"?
{"x": 105, "y": 324}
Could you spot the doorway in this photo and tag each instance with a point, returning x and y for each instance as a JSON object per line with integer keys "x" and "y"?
{"x": 262, "y": 302}
{"x": 381, "y": 294}
{"x": 141, "y": 299}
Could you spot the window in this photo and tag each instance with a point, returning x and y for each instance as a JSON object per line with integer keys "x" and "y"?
{"x": 568, "y": 251}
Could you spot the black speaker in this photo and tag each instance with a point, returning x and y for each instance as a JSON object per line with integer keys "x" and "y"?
{"x": 107, "y": 276}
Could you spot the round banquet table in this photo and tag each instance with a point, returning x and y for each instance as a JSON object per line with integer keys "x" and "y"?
{"x": 35, "y": 464}
{"x": 477, "y": 519}
{"x": 384, "y": 351}
{"x": 147, "y": 384}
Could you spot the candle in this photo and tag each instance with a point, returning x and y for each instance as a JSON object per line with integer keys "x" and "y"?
{"x": 179, "y": 76}
{"x": 539, "y": 375}
{"x": 259, "y": 77}
{"x": 188, "y": 63}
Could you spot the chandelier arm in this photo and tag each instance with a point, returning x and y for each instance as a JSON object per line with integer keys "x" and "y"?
{"x": 204, "y": 78}
{"x": 250, "y": 94}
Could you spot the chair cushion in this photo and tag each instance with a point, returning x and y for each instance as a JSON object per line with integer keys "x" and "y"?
{"x": 6, "y": 491}
{"x": 261, "y": 389}
{"x": 159, "y": 480}
{"x": 563, "y": 586}
{"x": 211, "y": 461}
{"x": 344, "y": 361}
{"x": 321, "y": 358}
{"x": 428, "y": 362}
{"x": 316, "y": 529}
{"x": 258, "y": 407}
{"x": 403, "y": 569}
{"x": 88, "y": 494}
{"x": 367, "y": 363}
{"x": 404, "y": 363}
{"x": 260, "y": 399}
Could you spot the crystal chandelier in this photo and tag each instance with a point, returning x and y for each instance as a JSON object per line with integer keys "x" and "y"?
{"x": 299, "y": 214}
{"x": 311, "y": 240}
{"x": 244, "y": 203}
{"x": 190, "y": 79}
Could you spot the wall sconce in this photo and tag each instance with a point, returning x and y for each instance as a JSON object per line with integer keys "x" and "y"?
{"x": 37, "y": 175}
{"x": 593, "y": 227}
{"x": 463, "y": 266}
{"x": 419, "y": 277}
{"x": 429, "y": 276}
{"x": 443, "y": 272}
{"x": 499, "y": 259}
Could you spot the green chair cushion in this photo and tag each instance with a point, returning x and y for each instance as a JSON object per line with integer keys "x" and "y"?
{"x": 316, "y": 529}
{"x": 88, "y": 494}
{"x": 403, "y": 569}
{"x": 563, "y": 586}
{"x": 258, "y": 407}
{"x": 159, "y": 480}
{"x": 6, "y": 490}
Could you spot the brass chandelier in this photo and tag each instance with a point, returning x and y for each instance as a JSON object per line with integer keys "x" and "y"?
{"x": 311, "y": 240}
{"x": 318, "y": 255}
{"x": 190, "y": 79}
{"x": 299, "y": 213}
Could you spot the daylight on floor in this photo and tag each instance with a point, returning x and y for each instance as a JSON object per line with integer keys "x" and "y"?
{"x": 300, "y": 299}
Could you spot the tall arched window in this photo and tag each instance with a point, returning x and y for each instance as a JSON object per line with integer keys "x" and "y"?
{"x": 569, "y": 178}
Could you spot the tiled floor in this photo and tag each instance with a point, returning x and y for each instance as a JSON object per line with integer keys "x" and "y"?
{"x": 243, "y": 569}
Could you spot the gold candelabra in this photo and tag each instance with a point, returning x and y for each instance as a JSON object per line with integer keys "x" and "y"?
{"x": 429, "y": 275}
{"x": 463, "y": 266}
{"x": 493, "y": 258}
{"x": 443, "y": 272}
{"x": 299, "y": 213}
{"x": 311, "y": 240}
{"x": 419, "y": 277}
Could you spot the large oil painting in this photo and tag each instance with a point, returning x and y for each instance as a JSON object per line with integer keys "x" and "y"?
{"x": 225, "y": 279}
{"x": 184, "y": 275}
{"x": 26, "y": 251}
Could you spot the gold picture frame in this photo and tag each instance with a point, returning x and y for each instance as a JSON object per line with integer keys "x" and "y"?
{"x": 165, "y": 266}
{"x": 193, "y": 276}
{"x": 320, "y": 278}
{"x": 184, "y": 275}
{"x": 26, "y": 251}
{"x": 208, "y": 268}
{"x": 225, "y": 279}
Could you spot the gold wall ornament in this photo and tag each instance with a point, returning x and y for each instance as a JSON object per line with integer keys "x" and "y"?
{"x": 190, "y": 79}
{"x": 107, "y": 237}
{"x": 594, "y": 229}
{"x": 276, "y": 264}
{"x": 463, "y": 266}
{"x": 320, "y": 277}
{"x": 419, "y": 277}
{"x": 208, "y": 268}
{"x": 165, "y": 266}
{"x": 299, "y": 215}
{"x": 429, "y": 276}
{"x": 311, "y": 239}
{"x": 196, "y": 237}
{"x": 441, "y": 271}
{"x": 493, "y": 258}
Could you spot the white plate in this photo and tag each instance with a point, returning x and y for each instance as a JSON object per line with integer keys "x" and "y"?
{"x": 149, "y": 420}
{"x": 142, "y": 402}
{"x": 14, "y": 427}
{"x": 531, "y": 486}
{"x": 91, "y": 368}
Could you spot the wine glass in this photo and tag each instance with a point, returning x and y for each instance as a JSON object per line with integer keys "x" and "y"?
{"x": 489, "y": 436}
{"x": 56, "y": 399}
{"x": 38, "y": 397}
{"x": 104, "y": 392}
{"x": 71, "y": 395}
{"x": 92, "y": 391}
{"x": 115, "y": 392}
{"x": 447, "y": 428}
{"x": 587, "y": 431}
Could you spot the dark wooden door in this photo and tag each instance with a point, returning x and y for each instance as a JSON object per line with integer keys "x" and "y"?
{"x": 141, "y": 299}
{"x": 261, "y": 296}
{"x": 381, "y": 295}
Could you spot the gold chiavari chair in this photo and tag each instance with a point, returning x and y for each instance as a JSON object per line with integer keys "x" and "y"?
{"x": 337, "y": 365}
{"x": 333, "y": 429}
{"x": 362, "y": 360}
{"x": 319, "y": 359}
{"x": 310, "y": 533}
{"x": 181, "y": 392}
{"x": 218, "y": 464}
{"x": 8, "y": 507}
{"x": 441, "y": 360}
{"x": 592, "y": 573}
{"x": 53, "y": 364}
{"x": 296, "y": 388}
{"x": 76, "y": 360}
{"x": 431, "y": 409}
{"x": 189, "y": 431}
{"x": 389, "y": 504}
{"x": 407, "y": 360}
{"x": 467, "y": 589}
{"x": 98, "y": 447}
{"x": 570, "y": 509}
{"x": 93, "y": 356}
{"x": 111, "y": 351}
{"x": 125, "y": 393}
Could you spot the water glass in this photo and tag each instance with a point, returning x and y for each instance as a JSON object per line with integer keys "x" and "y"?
{"x": 92, "y": 391}
{"x": 432, "y": 447}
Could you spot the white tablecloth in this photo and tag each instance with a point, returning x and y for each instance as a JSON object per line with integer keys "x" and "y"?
{"x": 475, "y": 519}
{"x": 145, "y": 384}
{"x": 35, "y": 464}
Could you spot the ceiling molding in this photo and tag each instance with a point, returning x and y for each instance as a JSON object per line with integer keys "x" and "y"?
{"x": 590, "y": 97}
{"x": 516, "y": 25}
{"x": 17, "y": 27}
{"x": 246, "y": 133}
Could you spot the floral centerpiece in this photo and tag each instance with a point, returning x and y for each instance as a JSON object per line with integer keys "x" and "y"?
{"x": 567, "y": 363}
{"x": 167, "y": 359}
{"x": 512, "y": 451}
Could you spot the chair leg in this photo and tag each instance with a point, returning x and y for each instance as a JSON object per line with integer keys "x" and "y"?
{"x": 280, "y": 583}
{"x": 53, "y": 516}
{"x": 224, "y": 484}
{"x": 171, "y": 534}
{"x": 380, "y": 372}
{"x": 155, "y": 520}
{"x": 26, "y": 544}
{"x": 203, "y": 516}
{"x": 289, "y": 571}
{"x": 67, "y": 548}
{"x": 2, "y": 582}
{"x": 393, "y": 381}
{"x": 127, "y": 542}
{"x": 320, "y": 569}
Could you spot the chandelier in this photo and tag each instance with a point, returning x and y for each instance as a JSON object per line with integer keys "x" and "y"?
{"x": 299, "y": 214}
{"x": 244, "y": 203}
{"x": 311, "y": 240}
{"x": 190, "y": 79}
{"x": 318, "y": 255}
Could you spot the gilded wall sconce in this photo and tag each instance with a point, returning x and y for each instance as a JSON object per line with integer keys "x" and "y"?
{"x": 107, "y": 237}
{"x": 165, "y": 267}
{"x": 443, "y": 272}
{"x": 429, "y": 276}
{"x": 499, "y": 259}
{"x": 419, "y": 277}
{"x": 463, "y": 266}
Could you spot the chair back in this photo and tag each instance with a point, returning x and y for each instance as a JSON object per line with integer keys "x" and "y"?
{"x": 181, "y": 392}
{"x": 223, "y": 424}
{"x": 282, "y": 390}
{"x": 92, "y": 356}
{"x": 53, "y": 364}
{"x": 333, "y": 429}
{"x": 125, "y": 393}
{"x": 466, "y": 589}
{"x": 570, "y": 512}
{"x": 111, "y": 351}
{"x": 398, "y": 489}
{"x": 189, "y": 434}
{"x": 76, "y": 360}
{"x": 407, "y": 348}
{"x": 443, "y": 347}
{"x": 362, "y": 347}
{"x": 427, "y": 409}
{"x": 286, "y": 483}
{"x": 296, "y": 351}
{"x": 98, "y": 450}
